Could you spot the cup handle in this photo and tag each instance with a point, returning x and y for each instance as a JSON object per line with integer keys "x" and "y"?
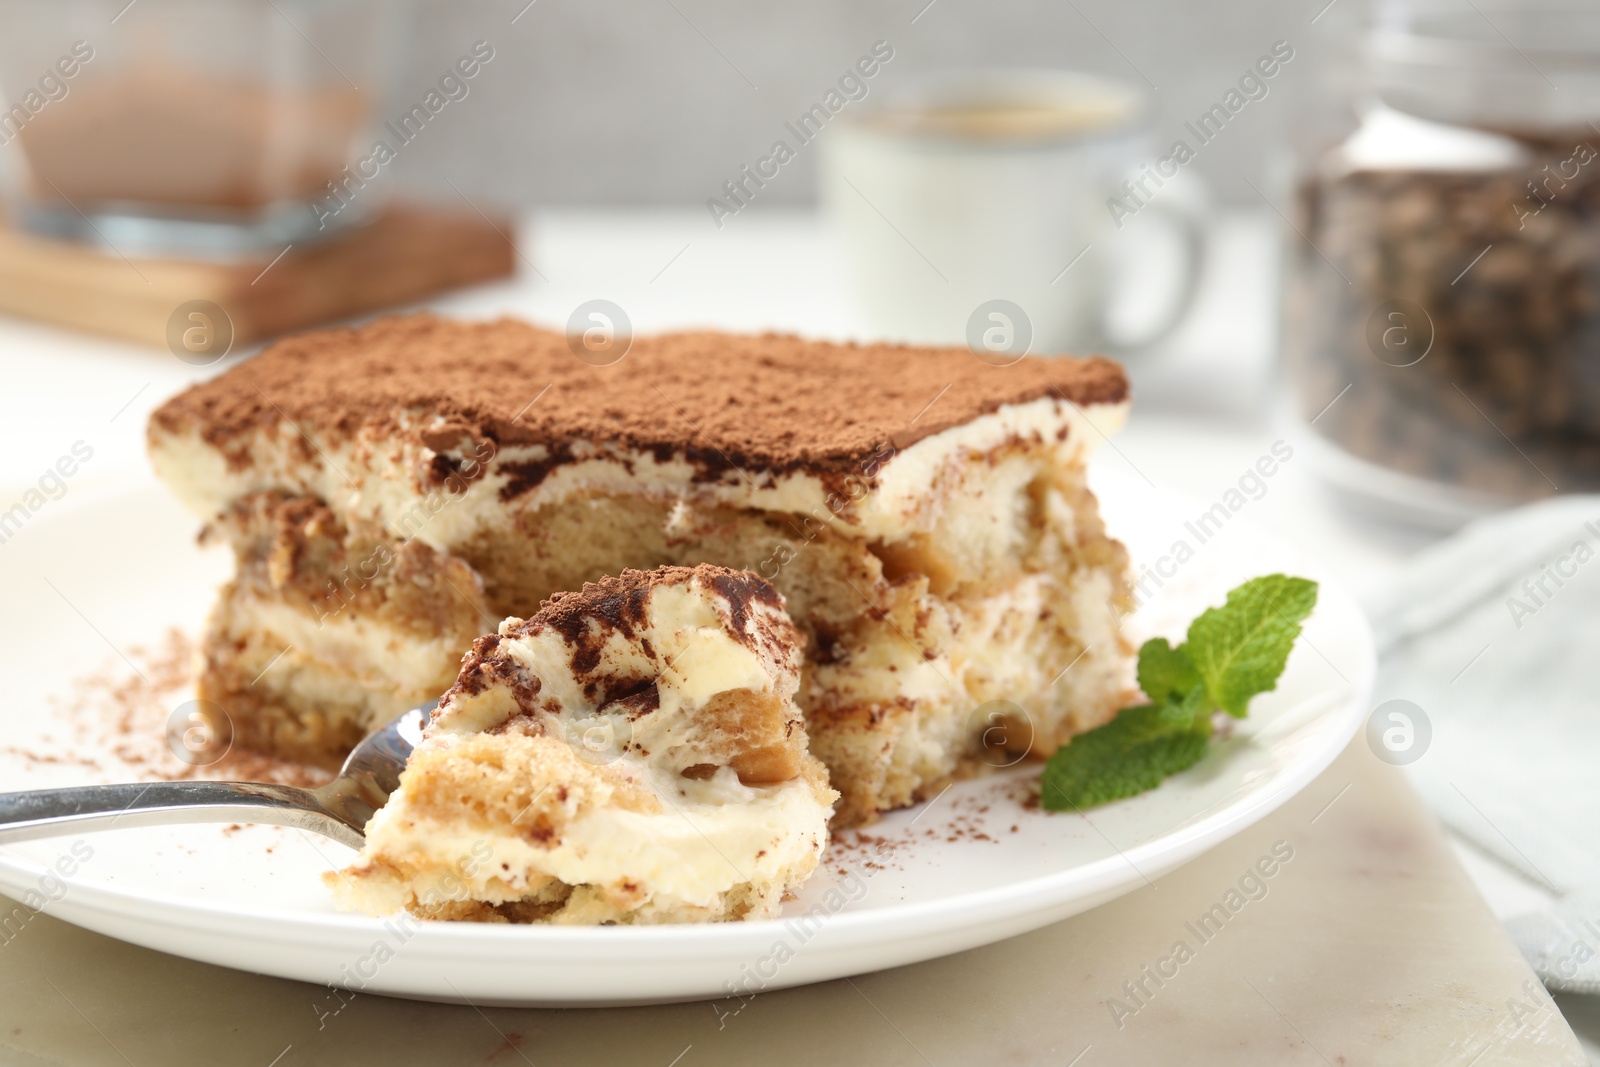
{"x": 1192, "y": 232}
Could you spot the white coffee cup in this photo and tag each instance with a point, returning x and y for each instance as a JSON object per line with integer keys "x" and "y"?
{"x": 978, "y": 208}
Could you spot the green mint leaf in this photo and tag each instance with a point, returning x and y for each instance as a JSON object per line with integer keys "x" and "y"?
{"x": 1128, "y": 755}
{"x": 1240, "y": 648}
{"x": 1233, "y": 652}
{"x": 1188, "y": 711}
{"x": 1164, "y": 671}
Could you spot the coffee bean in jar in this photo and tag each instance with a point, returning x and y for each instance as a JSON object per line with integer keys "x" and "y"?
{"x": 1442, "y": 314}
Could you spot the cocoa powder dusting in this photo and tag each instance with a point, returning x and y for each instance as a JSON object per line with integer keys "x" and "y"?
{"x": 733, "y": 405}
{"x": 112, "y": 723}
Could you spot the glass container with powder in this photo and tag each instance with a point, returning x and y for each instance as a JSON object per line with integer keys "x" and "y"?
{"x": 207, "y": 128}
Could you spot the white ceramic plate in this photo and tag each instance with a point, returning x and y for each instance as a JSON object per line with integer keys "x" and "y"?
{"x": 87, "y": 578}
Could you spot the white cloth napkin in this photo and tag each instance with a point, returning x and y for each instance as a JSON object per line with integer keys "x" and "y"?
{"x": 1495, "y": 635}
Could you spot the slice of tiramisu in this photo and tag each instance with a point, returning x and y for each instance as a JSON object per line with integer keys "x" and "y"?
{"x": 925, "y": 515}
{"x": 630, "y": 754}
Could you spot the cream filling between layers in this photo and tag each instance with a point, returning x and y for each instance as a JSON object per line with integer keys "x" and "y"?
{"x": 714, "y": 836}
{"x": 998, "y": 651}
{"x": 350, "y": 643}
{"x": 378, "y": 480}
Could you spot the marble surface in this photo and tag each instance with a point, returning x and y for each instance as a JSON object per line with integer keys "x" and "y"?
{"x": 1370, "y": 945}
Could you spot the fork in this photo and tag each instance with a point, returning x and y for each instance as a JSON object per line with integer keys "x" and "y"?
{"x": 338, "y": 810}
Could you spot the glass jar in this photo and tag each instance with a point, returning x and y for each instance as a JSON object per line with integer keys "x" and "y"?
{"x": 1441, "y": 323}
{"x": 188, "y": 127}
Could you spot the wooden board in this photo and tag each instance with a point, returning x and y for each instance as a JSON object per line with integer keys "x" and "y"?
{"x": 405, "y": 255}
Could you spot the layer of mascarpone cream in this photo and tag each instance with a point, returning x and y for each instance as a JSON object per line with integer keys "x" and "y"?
{"x": 895, "y": 494}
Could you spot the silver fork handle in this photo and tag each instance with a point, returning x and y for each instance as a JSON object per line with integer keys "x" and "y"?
{"x": 52, "y": 812}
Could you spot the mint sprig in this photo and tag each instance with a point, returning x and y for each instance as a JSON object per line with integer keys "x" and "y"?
{"x": 1231, "y": 654}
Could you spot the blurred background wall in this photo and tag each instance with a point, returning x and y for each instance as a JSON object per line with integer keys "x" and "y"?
{"x": 660, "y": 101}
